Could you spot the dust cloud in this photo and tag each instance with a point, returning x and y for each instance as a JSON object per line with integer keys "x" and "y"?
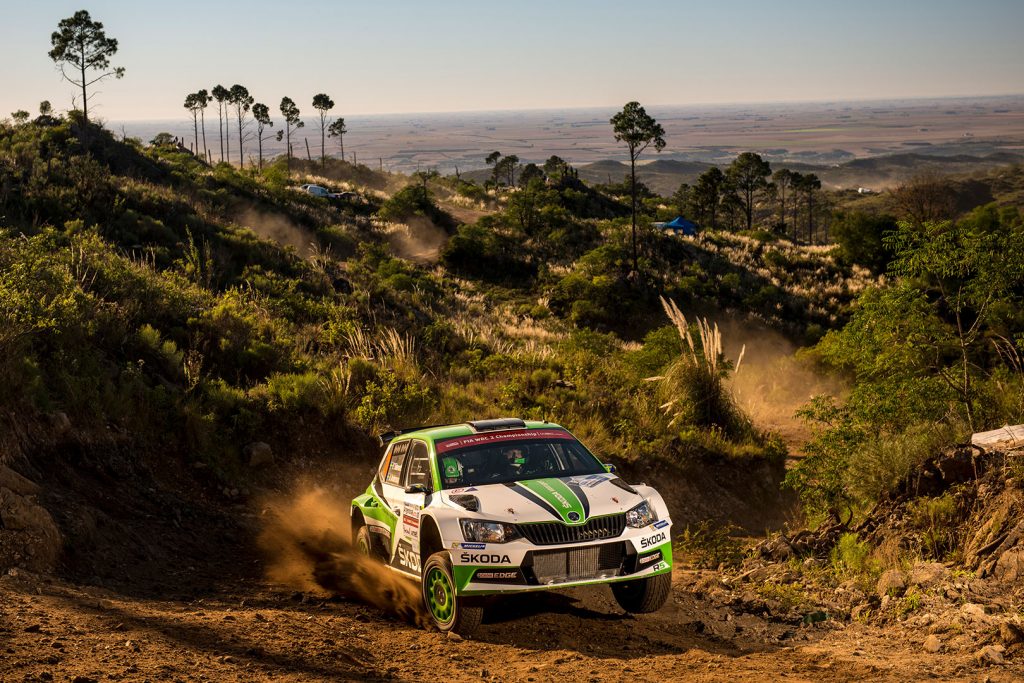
{"x": 279, "y": 228}
{"x": 306, "y": 540}
{"x": 418, "y": 239}
{"x": 773, "y": 382}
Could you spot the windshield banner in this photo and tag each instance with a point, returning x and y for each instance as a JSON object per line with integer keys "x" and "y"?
{"x": 500, "y": 437}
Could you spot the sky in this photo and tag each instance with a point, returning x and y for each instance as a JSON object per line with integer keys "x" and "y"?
{"x": 401, "y": 56}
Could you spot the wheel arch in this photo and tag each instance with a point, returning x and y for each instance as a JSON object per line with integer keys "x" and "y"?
{"x": 430, "y": 538}
{"x": 358, "y": 521}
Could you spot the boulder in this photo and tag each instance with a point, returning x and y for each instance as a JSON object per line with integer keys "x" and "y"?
{"x": 932, "y": 644}
{"x": 259, "y": 453}
{"x": 1010, "y": 634}
{"x": 29, "y": 538}
{"x": 892, "y": 582}
{"x": 974, "y": 612}
{"x": 11, "y": 480}
{"x": 59, "y": 422}
{"x": 1010, "y": 566}
{"x": 928, "y": 574}
{"x": 991, "y": 654}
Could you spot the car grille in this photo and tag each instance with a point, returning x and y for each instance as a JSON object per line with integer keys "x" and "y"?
{"x": 577, "y": 564}
{"x": 556, "y": 533}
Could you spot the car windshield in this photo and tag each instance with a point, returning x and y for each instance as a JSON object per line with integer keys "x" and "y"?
{"x": 503, "y": 460}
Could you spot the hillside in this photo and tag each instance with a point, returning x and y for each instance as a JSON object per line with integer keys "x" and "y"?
{"x": 194, "y": 351}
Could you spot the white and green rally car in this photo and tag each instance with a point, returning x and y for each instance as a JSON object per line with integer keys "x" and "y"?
{"x": 506, "y": 506}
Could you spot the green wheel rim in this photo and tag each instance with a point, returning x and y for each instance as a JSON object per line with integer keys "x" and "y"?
{"x": 440, "y": 596}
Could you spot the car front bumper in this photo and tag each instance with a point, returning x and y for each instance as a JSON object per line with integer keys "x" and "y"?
{"x": 482, "y": 569}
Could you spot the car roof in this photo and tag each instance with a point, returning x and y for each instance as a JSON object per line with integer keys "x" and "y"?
{"x": 436, "y": 432}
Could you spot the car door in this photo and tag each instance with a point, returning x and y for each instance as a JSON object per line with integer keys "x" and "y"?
{"x": 392, "y": 490}
{"x": 416, "y": 481}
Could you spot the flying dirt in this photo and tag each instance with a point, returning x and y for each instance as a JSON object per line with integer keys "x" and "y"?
{"x": 308, "y": 546}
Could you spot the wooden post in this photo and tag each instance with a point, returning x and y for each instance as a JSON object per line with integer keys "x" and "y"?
{"x": 308, "y": 155}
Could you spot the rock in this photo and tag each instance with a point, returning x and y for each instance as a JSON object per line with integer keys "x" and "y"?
{"x": 259, "y": 453}
{"x": 990, "y": 654}
{"x": 1010, "y": 566}
{"x": 29, "y": 537}
{"x": 59, "y": 422}
{"x": 1011, "y": 634}
{"x": 974, "y": 612}
{"x": 928, "y": 574}
{"x": 454, "y": 637}
{"x": 759, "y": 574}
{"x": 9, "y": 479}
{"x": 932, "y": 644}
{"x": 892, "y": 582}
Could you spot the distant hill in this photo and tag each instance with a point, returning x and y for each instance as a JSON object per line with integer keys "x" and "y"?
{"x": 665, "y": 175}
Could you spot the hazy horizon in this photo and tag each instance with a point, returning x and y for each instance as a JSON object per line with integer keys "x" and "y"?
{"x": 404, "y": 57}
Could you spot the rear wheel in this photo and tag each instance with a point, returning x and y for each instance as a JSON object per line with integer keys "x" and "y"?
{"x": 461, "y": 615}
{"x": 364, "y": 544}
{"x": 643, "y": 595}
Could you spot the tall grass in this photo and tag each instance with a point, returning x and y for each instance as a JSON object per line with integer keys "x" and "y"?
{"x": 694, "y": 386}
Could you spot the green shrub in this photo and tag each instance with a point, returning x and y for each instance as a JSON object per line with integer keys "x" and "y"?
{"x": 709, "y": 546}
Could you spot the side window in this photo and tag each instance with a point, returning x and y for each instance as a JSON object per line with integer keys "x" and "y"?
{"x": 394, "y": 475}
{"x": 419, "y": 466}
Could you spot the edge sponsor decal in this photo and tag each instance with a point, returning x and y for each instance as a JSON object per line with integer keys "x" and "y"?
{"x": 647, "y": 559}
{"x": 501, "y": 576}
{"x": 473, "y": 546}
{"x": 484, "y": 558}
{"x": 654, "y": 540}
{"x": 661, "y": 524}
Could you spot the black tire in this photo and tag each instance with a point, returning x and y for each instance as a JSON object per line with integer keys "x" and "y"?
{"x": 643, "y": 595}
{"x": 449, "y": 612}
{"x": 364, "y": 544}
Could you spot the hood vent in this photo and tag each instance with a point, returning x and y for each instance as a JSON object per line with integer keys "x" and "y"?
{"x": 471, "y": 503}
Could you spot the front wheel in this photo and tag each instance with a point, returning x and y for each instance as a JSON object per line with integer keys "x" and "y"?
{"x": 449, "y": 612}
{"x": 643, "y": 595}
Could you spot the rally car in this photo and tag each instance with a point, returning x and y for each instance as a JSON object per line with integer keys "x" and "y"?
{"x": 506, "y": 506}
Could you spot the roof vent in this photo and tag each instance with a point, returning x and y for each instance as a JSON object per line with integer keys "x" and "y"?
{"x": 497, "y": 425}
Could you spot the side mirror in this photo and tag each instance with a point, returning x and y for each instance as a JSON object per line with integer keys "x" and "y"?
{"x": 610, "y": 468}
{"x": 417, "y": 488}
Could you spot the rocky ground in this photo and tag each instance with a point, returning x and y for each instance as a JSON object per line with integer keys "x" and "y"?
{"x": 52, "y": 630}
{"x": 160, "y": 586}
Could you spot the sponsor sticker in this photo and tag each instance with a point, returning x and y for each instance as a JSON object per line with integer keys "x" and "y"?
{"x": 587, "y": 482}
{"x": 650, "y": 558}
{"x": 484, "y": 558}
{"x": 473, "y": 546}
{"x": 500, "y": 437}
{"x": 494, "y": 576}
{"x": 411, "y": 521}
{"x": 651, "y": 541}
{"x": 661, "y": 524}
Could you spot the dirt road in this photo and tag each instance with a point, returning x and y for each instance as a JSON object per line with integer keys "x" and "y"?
{"x": 250, "y": 630}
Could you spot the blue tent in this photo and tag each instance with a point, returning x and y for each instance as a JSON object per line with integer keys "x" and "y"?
{"x": 681, "y": 225}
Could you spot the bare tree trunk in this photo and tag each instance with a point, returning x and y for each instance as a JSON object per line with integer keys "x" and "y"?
{"x": 309, "y": 156}
{"x": 195, "y": 126}
{"x": 632, "y": 194}
{"x": 241, "y": 157}
{"x": 202, "y": 115}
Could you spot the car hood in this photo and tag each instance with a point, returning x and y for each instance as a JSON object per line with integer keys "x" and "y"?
{"x": 570, "y": 500}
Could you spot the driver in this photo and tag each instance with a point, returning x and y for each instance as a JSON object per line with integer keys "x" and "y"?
{"x": 511, "y": 462}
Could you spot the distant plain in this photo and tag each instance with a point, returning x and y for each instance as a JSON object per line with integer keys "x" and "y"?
{"x": 821, "y": 134}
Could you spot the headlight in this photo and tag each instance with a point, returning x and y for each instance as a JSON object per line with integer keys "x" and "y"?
{"x": 478, "y": 531}
{"x": 641, "y": 516}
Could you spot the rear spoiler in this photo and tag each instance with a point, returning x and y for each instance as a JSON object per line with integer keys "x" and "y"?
{"x": 387, "y": 437}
